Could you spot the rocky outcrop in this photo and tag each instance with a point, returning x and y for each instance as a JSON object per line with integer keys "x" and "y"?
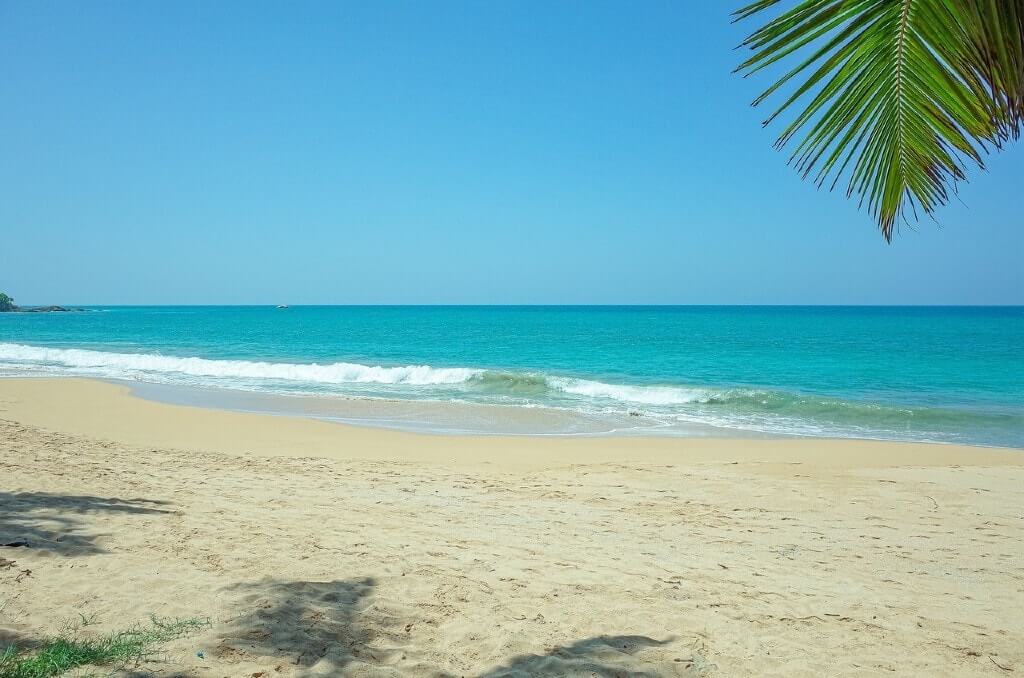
{"x": 7, "y": 305}
{"x": 44, "y": 309}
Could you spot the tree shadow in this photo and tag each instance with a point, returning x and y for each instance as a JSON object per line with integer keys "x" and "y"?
{"x": 53, "y": 522}
{"x": 303, "y": 622}
{"x": 325, "y": 627}
{"x": 601, "y": 656}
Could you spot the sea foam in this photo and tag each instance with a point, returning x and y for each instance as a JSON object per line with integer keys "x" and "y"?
{"x": 129, "y": 365}
{"x": 223, "y": 372}
{"x": 643, "y": 395}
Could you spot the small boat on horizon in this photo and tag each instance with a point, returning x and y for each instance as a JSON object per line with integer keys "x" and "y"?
{"x": 282, "y": 305}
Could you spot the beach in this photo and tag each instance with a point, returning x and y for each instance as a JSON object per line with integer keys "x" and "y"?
{"x": 314, "y": 548}
{"x": 511, "y": 340}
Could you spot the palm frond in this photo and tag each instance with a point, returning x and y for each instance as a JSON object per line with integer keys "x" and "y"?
{"x": 899, "y": 96}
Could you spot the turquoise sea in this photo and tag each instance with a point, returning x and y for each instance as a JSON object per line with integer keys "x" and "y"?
{"x": 909, "y": 373}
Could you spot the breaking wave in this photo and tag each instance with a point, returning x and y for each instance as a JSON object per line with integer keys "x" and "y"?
{"x": 766, "y": 410}
{"x": 522, "y": 385}
{"x": 121, "y": 365}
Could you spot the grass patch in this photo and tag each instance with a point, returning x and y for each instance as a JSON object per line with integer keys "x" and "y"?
{"x": 68, "y": 650}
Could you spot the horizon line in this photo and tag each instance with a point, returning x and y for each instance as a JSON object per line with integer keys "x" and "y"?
{"x": 537, "y": 305}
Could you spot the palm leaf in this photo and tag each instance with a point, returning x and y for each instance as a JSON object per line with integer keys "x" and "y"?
{"x": 898, "y": 96}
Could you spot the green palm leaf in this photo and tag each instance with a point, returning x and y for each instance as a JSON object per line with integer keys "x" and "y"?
{"x": 898, "y": 96}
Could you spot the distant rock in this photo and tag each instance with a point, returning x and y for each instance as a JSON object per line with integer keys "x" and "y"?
{"x": 7, "y": 305}
{"x": 39, "y": 309}
{"x": 44, "y": 309}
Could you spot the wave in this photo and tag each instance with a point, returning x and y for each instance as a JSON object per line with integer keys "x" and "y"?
{"x": 768, "y": 410}
{"x": 533, "y": 384}
{"x": 641, "y": 395}
{"x": 130, "y": 364}
{"x": 525, "y": 385}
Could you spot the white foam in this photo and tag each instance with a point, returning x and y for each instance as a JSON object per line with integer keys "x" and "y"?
{"x": 129, "y": 365}
{"x": 259, "y": 374}
{"x": 644, "y": 395}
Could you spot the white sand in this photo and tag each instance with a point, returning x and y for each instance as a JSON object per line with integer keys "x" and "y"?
{"x": 323, "y": 549}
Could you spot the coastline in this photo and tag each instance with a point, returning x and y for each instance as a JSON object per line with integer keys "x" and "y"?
{"x": 315, "y": 548}
{"x": 432, "y": 417}
{"x": 110, "y": 411}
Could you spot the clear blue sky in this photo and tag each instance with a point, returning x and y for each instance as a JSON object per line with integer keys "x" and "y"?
{"x": 434, "y": 152}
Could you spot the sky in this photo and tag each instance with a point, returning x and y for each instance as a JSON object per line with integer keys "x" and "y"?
{"x": 437, "y": 153}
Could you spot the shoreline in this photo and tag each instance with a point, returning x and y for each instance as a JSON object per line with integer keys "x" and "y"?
{"x": 110, "y": 411}
{"x": 194, "y": 396}
{"x": 416, "y": 416}
{"x": 471, "y": 395}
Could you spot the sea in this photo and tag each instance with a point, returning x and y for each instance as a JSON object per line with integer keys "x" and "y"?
{"x": 936, "y": 374}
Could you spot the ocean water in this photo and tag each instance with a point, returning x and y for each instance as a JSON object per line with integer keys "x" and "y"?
{"x": 920, "y": 373}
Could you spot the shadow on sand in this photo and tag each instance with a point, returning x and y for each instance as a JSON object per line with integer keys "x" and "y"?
{"x": 323, "y": 627}
{"x": 300, "y": 622}
{"x": 600, "y": 656}
{"x": 54, "y": 522}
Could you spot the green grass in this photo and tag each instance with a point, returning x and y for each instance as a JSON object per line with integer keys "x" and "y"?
{"x": 67, "y": 651}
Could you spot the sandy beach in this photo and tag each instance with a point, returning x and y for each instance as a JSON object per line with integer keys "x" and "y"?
{"x": 319, "y": 549}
